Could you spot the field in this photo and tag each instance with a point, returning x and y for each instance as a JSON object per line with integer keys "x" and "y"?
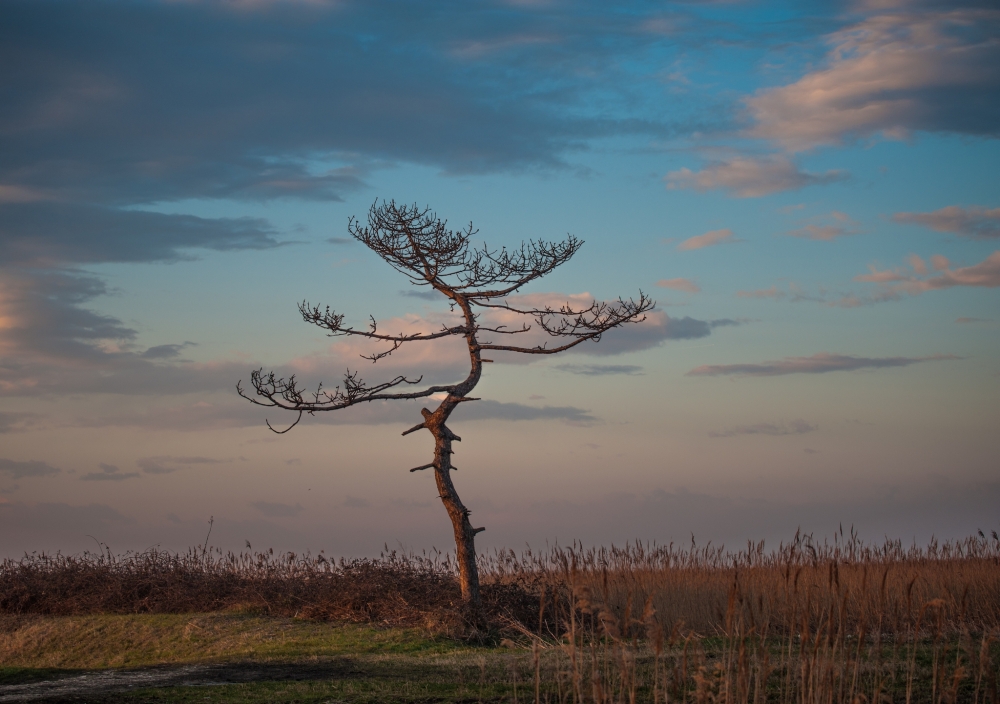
{"x": 833, "y": 622}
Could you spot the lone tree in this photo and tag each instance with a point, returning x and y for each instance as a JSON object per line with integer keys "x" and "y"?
{"x": 420, "y": 246}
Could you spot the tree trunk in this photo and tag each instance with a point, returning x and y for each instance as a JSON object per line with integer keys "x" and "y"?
{"x": 465, "y": 534}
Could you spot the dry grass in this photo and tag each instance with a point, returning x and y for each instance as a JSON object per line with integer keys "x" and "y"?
{"x": 840, "y": 622}
{"x": 885, "y": 589}
{"x": 832, "y": 622}
{"x": 393, "y": 590}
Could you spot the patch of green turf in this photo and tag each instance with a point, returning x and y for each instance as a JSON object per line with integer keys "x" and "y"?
{"x": 117, "y": 641}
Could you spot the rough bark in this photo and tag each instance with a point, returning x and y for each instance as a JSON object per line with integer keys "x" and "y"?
{"x": 465, "y": 534}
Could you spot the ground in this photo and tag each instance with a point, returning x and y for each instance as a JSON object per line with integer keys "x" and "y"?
{"x": 230, "y": 657}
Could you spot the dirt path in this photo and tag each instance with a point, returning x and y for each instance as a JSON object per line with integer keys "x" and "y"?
{"x": 103, "y": 683}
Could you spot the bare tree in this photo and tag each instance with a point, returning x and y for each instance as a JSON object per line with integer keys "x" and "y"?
{"x": 474, "y": 280}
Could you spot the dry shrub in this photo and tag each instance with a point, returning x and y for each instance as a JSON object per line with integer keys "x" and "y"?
{"x": 706, "y": 590}
{"x": 393, "y": 589}
{"x": 835, "y": 623}
{"x": 846, "y": 584}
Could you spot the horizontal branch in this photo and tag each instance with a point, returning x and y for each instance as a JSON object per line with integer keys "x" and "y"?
{"x": 277, "y": 392}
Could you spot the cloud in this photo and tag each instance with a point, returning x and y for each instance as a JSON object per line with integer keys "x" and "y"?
{"x": 894, "y": 282}
{"x": 29, "y": 468}
{"x": 841, "y": 225}
{"x": 748, "y": 177}
{"x": 495, "y": 410}
{"x": 772, "y": 292}
{"x": 908, "y": 68}
{"x": 166, "y": 464}
{"x": 816, "y": 364}
{"x": 356, "y": 502}
{"x": 423, "y": 295}
{"x": 686, "y": 285}
{"x": 795, "y": 427}
{"x": 599, "y": 369}
{"x": 14, "y": 422}
{"x": 236, "y": 413}
{"x": 277, "y": 510}
{"x": 975, "y": 222}
{"x": 43, "y": 234}
{"x": 299, "y": 100}
{"x": 109, "y": 473}
{"x": 51, "y": 342}
{"x": 709, "y": 239}
{"x": 973, "y": 320}
{"x": 165, "y": 351}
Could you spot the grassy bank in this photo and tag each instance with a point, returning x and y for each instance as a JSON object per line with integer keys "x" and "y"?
{"x": 122, "y": 641}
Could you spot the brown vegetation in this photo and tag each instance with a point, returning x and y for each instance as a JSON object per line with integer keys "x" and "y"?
{"x": 841, "y": 621}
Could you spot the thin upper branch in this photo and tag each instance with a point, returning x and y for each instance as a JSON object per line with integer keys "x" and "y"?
{"x": 415, "y": 242}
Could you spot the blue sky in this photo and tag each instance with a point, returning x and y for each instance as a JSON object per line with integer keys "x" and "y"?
{"x": 808, "y": 190}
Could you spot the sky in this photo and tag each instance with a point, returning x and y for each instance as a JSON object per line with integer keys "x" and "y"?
{"x": 808, "y": 190}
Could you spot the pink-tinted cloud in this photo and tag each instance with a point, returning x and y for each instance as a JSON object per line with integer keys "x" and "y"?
{"x": 892, "y": 73}
{"x": 747, "y": 177}
{"x": 898, "y": 281}
{"x": 830, "y": 227}
{"x": 975, "y": 222}
{"x": 772, "y": 292}
{"x": 709, "y": 239}
{"x": 918, "y": 264}
{"x": 817, "y": 364}
{"x": 686, "y": 285}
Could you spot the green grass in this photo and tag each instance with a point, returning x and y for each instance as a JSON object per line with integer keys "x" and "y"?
{"x": 295, "y": 660}
{"x": 117, "y": 641}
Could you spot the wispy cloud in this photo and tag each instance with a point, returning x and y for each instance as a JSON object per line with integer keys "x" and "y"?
{"x": 166, "y": 464}
{"x": 29, "y": 468}
{"x": 772, "y": 292}
{"x": 165, "y": 351}
{"x": 686, "y": 285}
{"x": 817, "y": 364}
{"x": 13, "y": 422}
{"x": 909, "y": 67}
{"x": 45, "y": 234}
{"x": 488, "y": 409}
{"x": 975, "y": 222}
{"x": 599, "y": 369}
{"x": 709, "y": 239}
{"x": 894, "y": 282}
{"x": 109, "y": 473}
{"x": 273, "y": 509}
{"x": 794, "y": 294}
{"x": 830, "y": 227}
{"x": 795, "y": 427}
{"x": 747, "y": 177}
